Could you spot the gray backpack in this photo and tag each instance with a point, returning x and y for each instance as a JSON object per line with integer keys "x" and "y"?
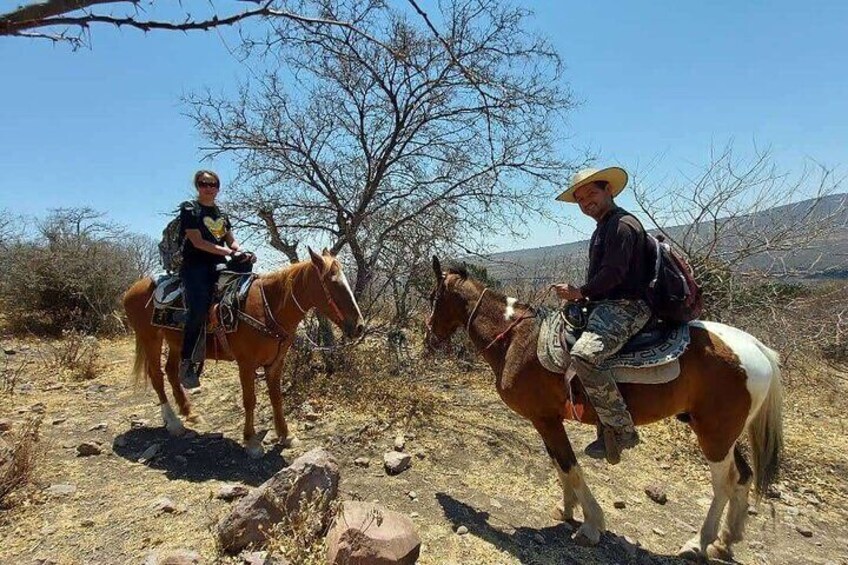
{"x": 173, "y": 239}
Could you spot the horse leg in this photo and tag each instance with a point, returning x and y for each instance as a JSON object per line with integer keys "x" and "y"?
{"x": 153, "y": 353}
{"x": 252, "y": 442}
{"x": 737, "y": 510}
{"x": 273, "y": 375}
{"x": 724, "y": 476}
{"x": 570, "y": 475}
{"x": 172, "y": 367}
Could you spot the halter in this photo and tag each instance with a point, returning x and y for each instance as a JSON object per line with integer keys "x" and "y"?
{"x": 336, "y": 310}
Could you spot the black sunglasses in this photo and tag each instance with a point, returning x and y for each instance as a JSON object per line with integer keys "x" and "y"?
{"x": 207, "y": 184}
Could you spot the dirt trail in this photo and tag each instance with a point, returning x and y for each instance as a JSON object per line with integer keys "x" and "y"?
{"x": 475, "y": 464}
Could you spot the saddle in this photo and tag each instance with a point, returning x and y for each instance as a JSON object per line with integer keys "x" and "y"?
{"x": 169, "y": 310}
{"x": 650, "y": 357}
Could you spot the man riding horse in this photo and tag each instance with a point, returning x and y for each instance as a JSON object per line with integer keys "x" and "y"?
{"x": 619, "y": 270}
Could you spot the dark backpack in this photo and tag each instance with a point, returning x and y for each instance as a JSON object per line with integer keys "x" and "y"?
{"x": 672, "y": 293}
{"x": 173, "y": 239}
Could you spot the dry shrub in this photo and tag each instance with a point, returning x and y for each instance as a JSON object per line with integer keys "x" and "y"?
{"x": 75, "y": 354}
{"x": 300, "y": 537}
{"x": 10, "y": 372}
{"x": 20, "y": 452}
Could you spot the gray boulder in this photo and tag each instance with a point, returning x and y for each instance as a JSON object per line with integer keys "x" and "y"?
{"x": 312, "y": 477}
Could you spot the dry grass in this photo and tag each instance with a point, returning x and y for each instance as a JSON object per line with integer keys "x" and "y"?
{"x": 75, "y": 356}
{"x": 300, "y": 536}
{"x": 19, "y": 458}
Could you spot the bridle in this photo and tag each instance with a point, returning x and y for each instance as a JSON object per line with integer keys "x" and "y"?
{"x": 333, "y": 306}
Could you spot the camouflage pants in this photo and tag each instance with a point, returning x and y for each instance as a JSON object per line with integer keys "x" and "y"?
{"x": 611, "y": 323}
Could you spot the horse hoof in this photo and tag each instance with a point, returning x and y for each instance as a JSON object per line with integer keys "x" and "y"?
{"x": 691, "y": 551}
{"x": 255, "y": 451}
{"x": 175, "y": 429}
{"x": 289, "y": 442}
{"x": 719, "y": 551}
{"x": 196, "y": 419}
{"x": 587, "y": 536}
{"x": 560, "y": 513}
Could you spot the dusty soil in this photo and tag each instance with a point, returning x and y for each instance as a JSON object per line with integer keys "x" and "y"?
{"x": 475, "y": 464}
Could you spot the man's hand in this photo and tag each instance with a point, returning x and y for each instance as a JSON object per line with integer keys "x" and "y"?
{"x": 567, "y": 292}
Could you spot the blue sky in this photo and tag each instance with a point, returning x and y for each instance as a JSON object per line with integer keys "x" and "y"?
{"x": 104, "y": 127}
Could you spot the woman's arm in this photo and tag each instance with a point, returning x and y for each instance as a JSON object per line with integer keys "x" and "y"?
{"x": 230, "y": 239}
{"x": 199, "y": 243}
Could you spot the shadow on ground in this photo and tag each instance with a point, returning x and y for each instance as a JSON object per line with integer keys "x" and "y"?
{"x": 198, "y": 457}
{"x": 546, "y": 546}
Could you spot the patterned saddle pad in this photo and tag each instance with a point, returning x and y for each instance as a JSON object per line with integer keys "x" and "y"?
{"x": 169, "y": 305}
{"x": 649, "y": 358}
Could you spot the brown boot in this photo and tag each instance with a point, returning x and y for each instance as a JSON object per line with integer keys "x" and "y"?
{"x": 611, "y": 442}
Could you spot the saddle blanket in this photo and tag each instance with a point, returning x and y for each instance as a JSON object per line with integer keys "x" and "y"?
{"x": 654, "y": 363}
{"x": 169, "y": 306}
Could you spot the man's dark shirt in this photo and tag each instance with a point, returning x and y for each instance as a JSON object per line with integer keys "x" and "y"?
{"x": 213, "y": 226}
{"x": 618, "y": 261}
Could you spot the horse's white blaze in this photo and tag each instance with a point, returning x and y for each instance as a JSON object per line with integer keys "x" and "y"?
{"x": 172, "y": 421}
{"x": 752, "y": 358}
{"x": 510, "y": 308}
{"x": 342, "y": 279}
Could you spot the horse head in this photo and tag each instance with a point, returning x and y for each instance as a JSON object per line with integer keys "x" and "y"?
{"x": 447, "y": 306}
{"x": 339, "y": 304}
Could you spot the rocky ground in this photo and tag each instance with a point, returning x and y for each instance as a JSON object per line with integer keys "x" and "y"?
{"x": 114, "y": 487}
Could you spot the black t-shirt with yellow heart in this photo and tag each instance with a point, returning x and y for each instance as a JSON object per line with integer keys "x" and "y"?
{"x": 213, "y": 225}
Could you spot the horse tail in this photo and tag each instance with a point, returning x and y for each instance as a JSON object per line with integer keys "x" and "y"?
{"x": 765, "y": 430}
{"x": 140, "y": 363}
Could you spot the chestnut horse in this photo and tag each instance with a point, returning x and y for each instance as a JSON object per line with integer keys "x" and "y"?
{"x": 729, "y": 382}
{"x": 289, "y": 293}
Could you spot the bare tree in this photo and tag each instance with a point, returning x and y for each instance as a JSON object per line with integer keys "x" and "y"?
{"x": 70, "y": 21}
{"x": 354, "y": 143}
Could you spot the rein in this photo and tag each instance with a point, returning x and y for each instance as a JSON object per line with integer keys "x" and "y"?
{"x": 526, "y": 316}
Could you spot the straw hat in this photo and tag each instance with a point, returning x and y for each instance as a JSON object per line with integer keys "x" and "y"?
{"x": 616, "y": 177}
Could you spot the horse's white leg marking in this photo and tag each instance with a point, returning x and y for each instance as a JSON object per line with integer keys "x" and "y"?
{"x": 723, "y": 474}
{"x": 747, "y": 348}
{"x": 573, "y": 486}
{"x": 510, "y": 308}
{"x": 569, "y": 497}
{"x": 172, "y": 421}
{"x": 737, "y": 515}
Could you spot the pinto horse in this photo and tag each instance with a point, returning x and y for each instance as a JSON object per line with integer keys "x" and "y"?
{"x": 729, "y": 382}
{"x": 279, "y": 300}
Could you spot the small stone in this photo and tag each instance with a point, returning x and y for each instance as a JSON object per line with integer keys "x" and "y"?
{"x": 462, "y": 530}
{"x": 87, "y": 523}
{"x": 665, "y": 466}
{"x": 232, "y": 492}
{"x": 412, "y": 494}
{"x": 165, "y": 504}
{"x": 308, "y": 425}
{"x": 149, "y": 453}
{"x": 138, "y": 423}
{"x": 658, "y": 531}
{"x": 196, "y": 391}
{"x": 396, "y": 462}
{"x": 361, "y": 461}
{"x": 619, "y": 504}
{"x": 89, "y": 448}
{"x": 413, "y": 514}
{"x": 5, "y": 425}
{"x": 99, "y": 427}
{"x": 61, "y": 490}
{"x": 400, "y": 442}
{"x": 57, "y": 421}
{"x": 311, "y": 416}
{"x": 38, "y": 408}
{"x": 804, "y": 530}
{"x": 420, "y": 454}
{"x": 495, "y": 503}
{"x": 657, "y": 494}
{"x": 752, "y": 512}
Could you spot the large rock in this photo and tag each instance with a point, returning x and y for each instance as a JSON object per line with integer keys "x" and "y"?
{"x": 367, "y": 534}
{"x": 396, "y": 462}
{"x": 312, "y": 477}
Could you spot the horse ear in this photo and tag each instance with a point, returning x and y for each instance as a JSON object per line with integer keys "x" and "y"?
{"x": 437, "y": 268}
{"x": 317, "y": 260}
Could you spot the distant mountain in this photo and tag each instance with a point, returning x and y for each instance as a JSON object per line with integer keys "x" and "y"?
{"x": 825, "y": 257}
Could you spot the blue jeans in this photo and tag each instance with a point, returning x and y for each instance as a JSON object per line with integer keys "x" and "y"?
{"x": 199, "y": 290}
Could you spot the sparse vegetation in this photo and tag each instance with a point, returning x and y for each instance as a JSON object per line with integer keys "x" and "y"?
{"x": 20, "y": 454}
